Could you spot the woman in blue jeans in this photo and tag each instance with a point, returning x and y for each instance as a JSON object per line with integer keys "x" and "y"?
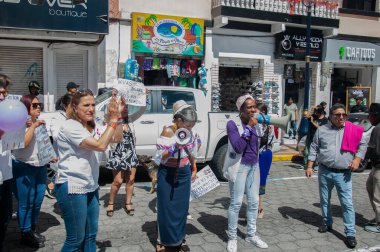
{"x": 242, "y": 170}
{"x": 30, "y": 177}
{"x": 78, "y": 169}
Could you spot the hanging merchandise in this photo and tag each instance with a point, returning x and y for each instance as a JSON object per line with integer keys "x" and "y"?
{"x": 148, "y": 64}
{"x": 202, "y": 73}
{"x": 173, "y": 68}
{"x": 156, "y": 64}
{"x": 163, "y": 63}
{"x": 191, "y": 66}
{"x": 131, "y": 69}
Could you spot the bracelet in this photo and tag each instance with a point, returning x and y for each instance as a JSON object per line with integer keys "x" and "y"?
{"x": 194, "y": 168}
{"x": 112, "y": 124}
{"x": 120, "y": 121}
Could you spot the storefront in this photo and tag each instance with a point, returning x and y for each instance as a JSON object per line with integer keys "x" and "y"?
{"x": 53, "y": 43}
{"x": 168, "y": 50}
{"x": 290, "y": 55}
{"x": 353, "y": 72}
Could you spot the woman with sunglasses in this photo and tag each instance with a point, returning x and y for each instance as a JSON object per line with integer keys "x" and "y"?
{"x": 78, "y": 168}
{"x": 30, "y": 177}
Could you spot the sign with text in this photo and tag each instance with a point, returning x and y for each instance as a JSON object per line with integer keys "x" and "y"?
{"x": 352, "y": 52}
{"x": 13, "y": 140}
{"x": 162, "y": 34}
{"x": 291, "y": 45}
{"x": 353, "y": 92}
{"x": 133, "y": 91}
{"x": 45, "y": 149}
{"x": 57, "y": 15}
{"x": 205, "y": 182}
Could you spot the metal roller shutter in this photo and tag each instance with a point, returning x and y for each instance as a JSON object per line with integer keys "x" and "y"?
{"x": 70, "y": 66}
{"x": 21, "y": 64}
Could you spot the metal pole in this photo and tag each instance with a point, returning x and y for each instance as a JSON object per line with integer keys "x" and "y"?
{"x": 304, "y": 121}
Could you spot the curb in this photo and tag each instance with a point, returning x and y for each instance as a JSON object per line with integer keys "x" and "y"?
{"x": 286, "y": 157}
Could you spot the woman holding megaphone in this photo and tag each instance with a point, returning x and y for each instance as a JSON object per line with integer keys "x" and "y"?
{"x": 176, "y": 152}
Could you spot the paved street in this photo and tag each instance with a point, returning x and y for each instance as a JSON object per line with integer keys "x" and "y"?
{"x": 291, "y": 218}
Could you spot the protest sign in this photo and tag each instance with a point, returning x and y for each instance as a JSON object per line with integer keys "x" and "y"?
{"x": 45, "y": 149}
{"x": 13, "y": 97}
{"x": 13, "y": 140}
{"x": 132, "y": 91}
{"x": 205, "y": 182}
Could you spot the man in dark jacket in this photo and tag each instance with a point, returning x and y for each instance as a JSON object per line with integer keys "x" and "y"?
{"x": 373, "y": 182}
{"x": 72, "y": 88}
{"x": 359, "y": 107}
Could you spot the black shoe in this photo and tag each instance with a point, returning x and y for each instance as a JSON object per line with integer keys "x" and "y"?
{"x": 351, "y": 241}
{"x": 38, "y": 235}
{"x": 372, "y": 222}
{"x": 324, "y": 228}
{"x": 30, "y": 239}
{"x": 183, "y": 247}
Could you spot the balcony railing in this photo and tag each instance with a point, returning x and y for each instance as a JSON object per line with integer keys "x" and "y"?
{"x": 321, "y": 8}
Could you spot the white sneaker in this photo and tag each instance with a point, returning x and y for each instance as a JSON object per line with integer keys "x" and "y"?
{"x": 255, "y": 240}
{"x": 189, "y": 217}
{"x": 232, "y": 246}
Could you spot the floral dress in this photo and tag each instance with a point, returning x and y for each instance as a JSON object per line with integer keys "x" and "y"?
{"x": 124, "y": 156}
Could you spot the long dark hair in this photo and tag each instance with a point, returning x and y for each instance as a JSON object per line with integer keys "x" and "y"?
{"x": 71, "y": 114}
{"x": 66, "y": 100}
{"x": 27, "y": 100}
{"x": 5, "y": 81}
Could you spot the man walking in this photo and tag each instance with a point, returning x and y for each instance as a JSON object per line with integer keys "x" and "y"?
{"x": 340, "y": 147}
{"x": 373, "y": 181}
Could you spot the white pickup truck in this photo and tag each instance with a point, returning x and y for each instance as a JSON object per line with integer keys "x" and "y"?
{"x": 211, "y": 126}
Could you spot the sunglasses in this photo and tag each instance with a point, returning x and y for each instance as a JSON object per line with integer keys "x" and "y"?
{"x": 4, "y": 93}
{"x": 339, "y": 115}
{"x": 36, "y": 105}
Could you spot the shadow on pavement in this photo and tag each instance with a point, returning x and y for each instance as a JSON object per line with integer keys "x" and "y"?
{"x": 103, "y": 245}
{"x": 119, "y": 201}
{"x": 220, "y": 203}
{"x": 336, "y": 211}
{"x": 152, "y": 205}
{"x": 307, "y": 217}
{"x": 215, "y": 224}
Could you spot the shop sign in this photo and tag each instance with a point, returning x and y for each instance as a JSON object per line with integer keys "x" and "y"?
{"x": 344, "y": 51}
{"x": 57, "y": 15}
{"x": 291, "y": 45}
{"x": 162, "y": 34}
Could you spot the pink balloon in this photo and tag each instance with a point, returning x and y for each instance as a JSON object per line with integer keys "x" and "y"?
{"x": 13, "y": 115}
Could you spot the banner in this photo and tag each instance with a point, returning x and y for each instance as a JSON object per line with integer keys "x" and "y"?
{"x": 291, "y": 45}
{"x": 133, "y": 92}
{"x": 13, "y": 140}
{"x": 162, "y": 34}
{"x": 205, "y": 182}
{"x": 45, "y": 149}
{"x": 353, "y": 92}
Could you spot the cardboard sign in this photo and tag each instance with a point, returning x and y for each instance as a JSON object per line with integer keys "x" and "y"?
{"x": 45, "y": 148}
{"x": 205, "y": 182}
{"x": 13, "y": 140}
{"x": 132, "y": 91}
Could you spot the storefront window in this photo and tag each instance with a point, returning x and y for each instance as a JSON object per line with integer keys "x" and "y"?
{"x": 365, "y": 5}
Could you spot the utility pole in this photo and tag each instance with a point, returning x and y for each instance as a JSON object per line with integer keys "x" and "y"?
{"x": 305, "y": 121}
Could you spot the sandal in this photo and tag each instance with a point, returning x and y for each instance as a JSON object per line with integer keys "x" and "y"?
{"x": 131, "y": 211}
{"x": 160, "y": 248}
{"x": 110, "y": 212}
{"x": 184, "y": 247}
{"x": 261, "y": 213}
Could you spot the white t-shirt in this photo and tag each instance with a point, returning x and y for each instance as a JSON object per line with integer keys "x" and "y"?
{"x": 55, "y": 125}
{"x": 29, "y": 154}
{"x": 77, "y": 166}
{"x": 5, "y": 166}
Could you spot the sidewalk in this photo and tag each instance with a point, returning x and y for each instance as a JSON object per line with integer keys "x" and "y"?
{"x": 288, "y": 152}
{"x": 291, "y": 219}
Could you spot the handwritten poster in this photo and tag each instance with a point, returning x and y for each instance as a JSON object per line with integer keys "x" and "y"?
{"x": 13, "y": 140}
{"x": 132, "y": 91}
{"x": 45, "y": 148}
{"x": 205, "y": 182}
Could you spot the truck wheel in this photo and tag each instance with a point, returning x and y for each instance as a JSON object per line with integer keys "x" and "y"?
{"x": 218, "y": 162}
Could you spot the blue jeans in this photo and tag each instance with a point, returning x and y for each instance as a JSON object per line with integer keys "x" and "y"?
{"x": 343, "y": 183}
{"x": 30, "y": 185}
{"x": 248, "y": 180}
{"x": 292, "y": 128}
{"x": 80, "y": 213}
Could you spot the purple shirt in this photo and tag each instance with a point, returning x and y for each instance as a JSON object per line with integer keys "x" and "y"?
{"x": 249, "y": 148}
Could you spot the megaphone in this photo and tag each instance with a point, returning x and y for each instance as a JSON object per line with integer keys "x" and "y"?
{"x": 183, "y": 136}
{"x": 280, "y": 122}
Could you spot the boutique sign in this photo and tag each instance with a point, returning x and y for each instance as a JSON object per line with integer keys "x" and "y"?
{"x": 161, "y": 34}
{"x": 352, "y": 52}
{"x": 291, "y": 45}
{"x": 57, "y": 15}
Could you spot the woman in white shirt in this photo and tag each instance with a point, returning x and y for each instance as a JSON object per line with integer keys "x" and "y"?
{"x": 78, "y": 169}
{"x": 30, "y": 177}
